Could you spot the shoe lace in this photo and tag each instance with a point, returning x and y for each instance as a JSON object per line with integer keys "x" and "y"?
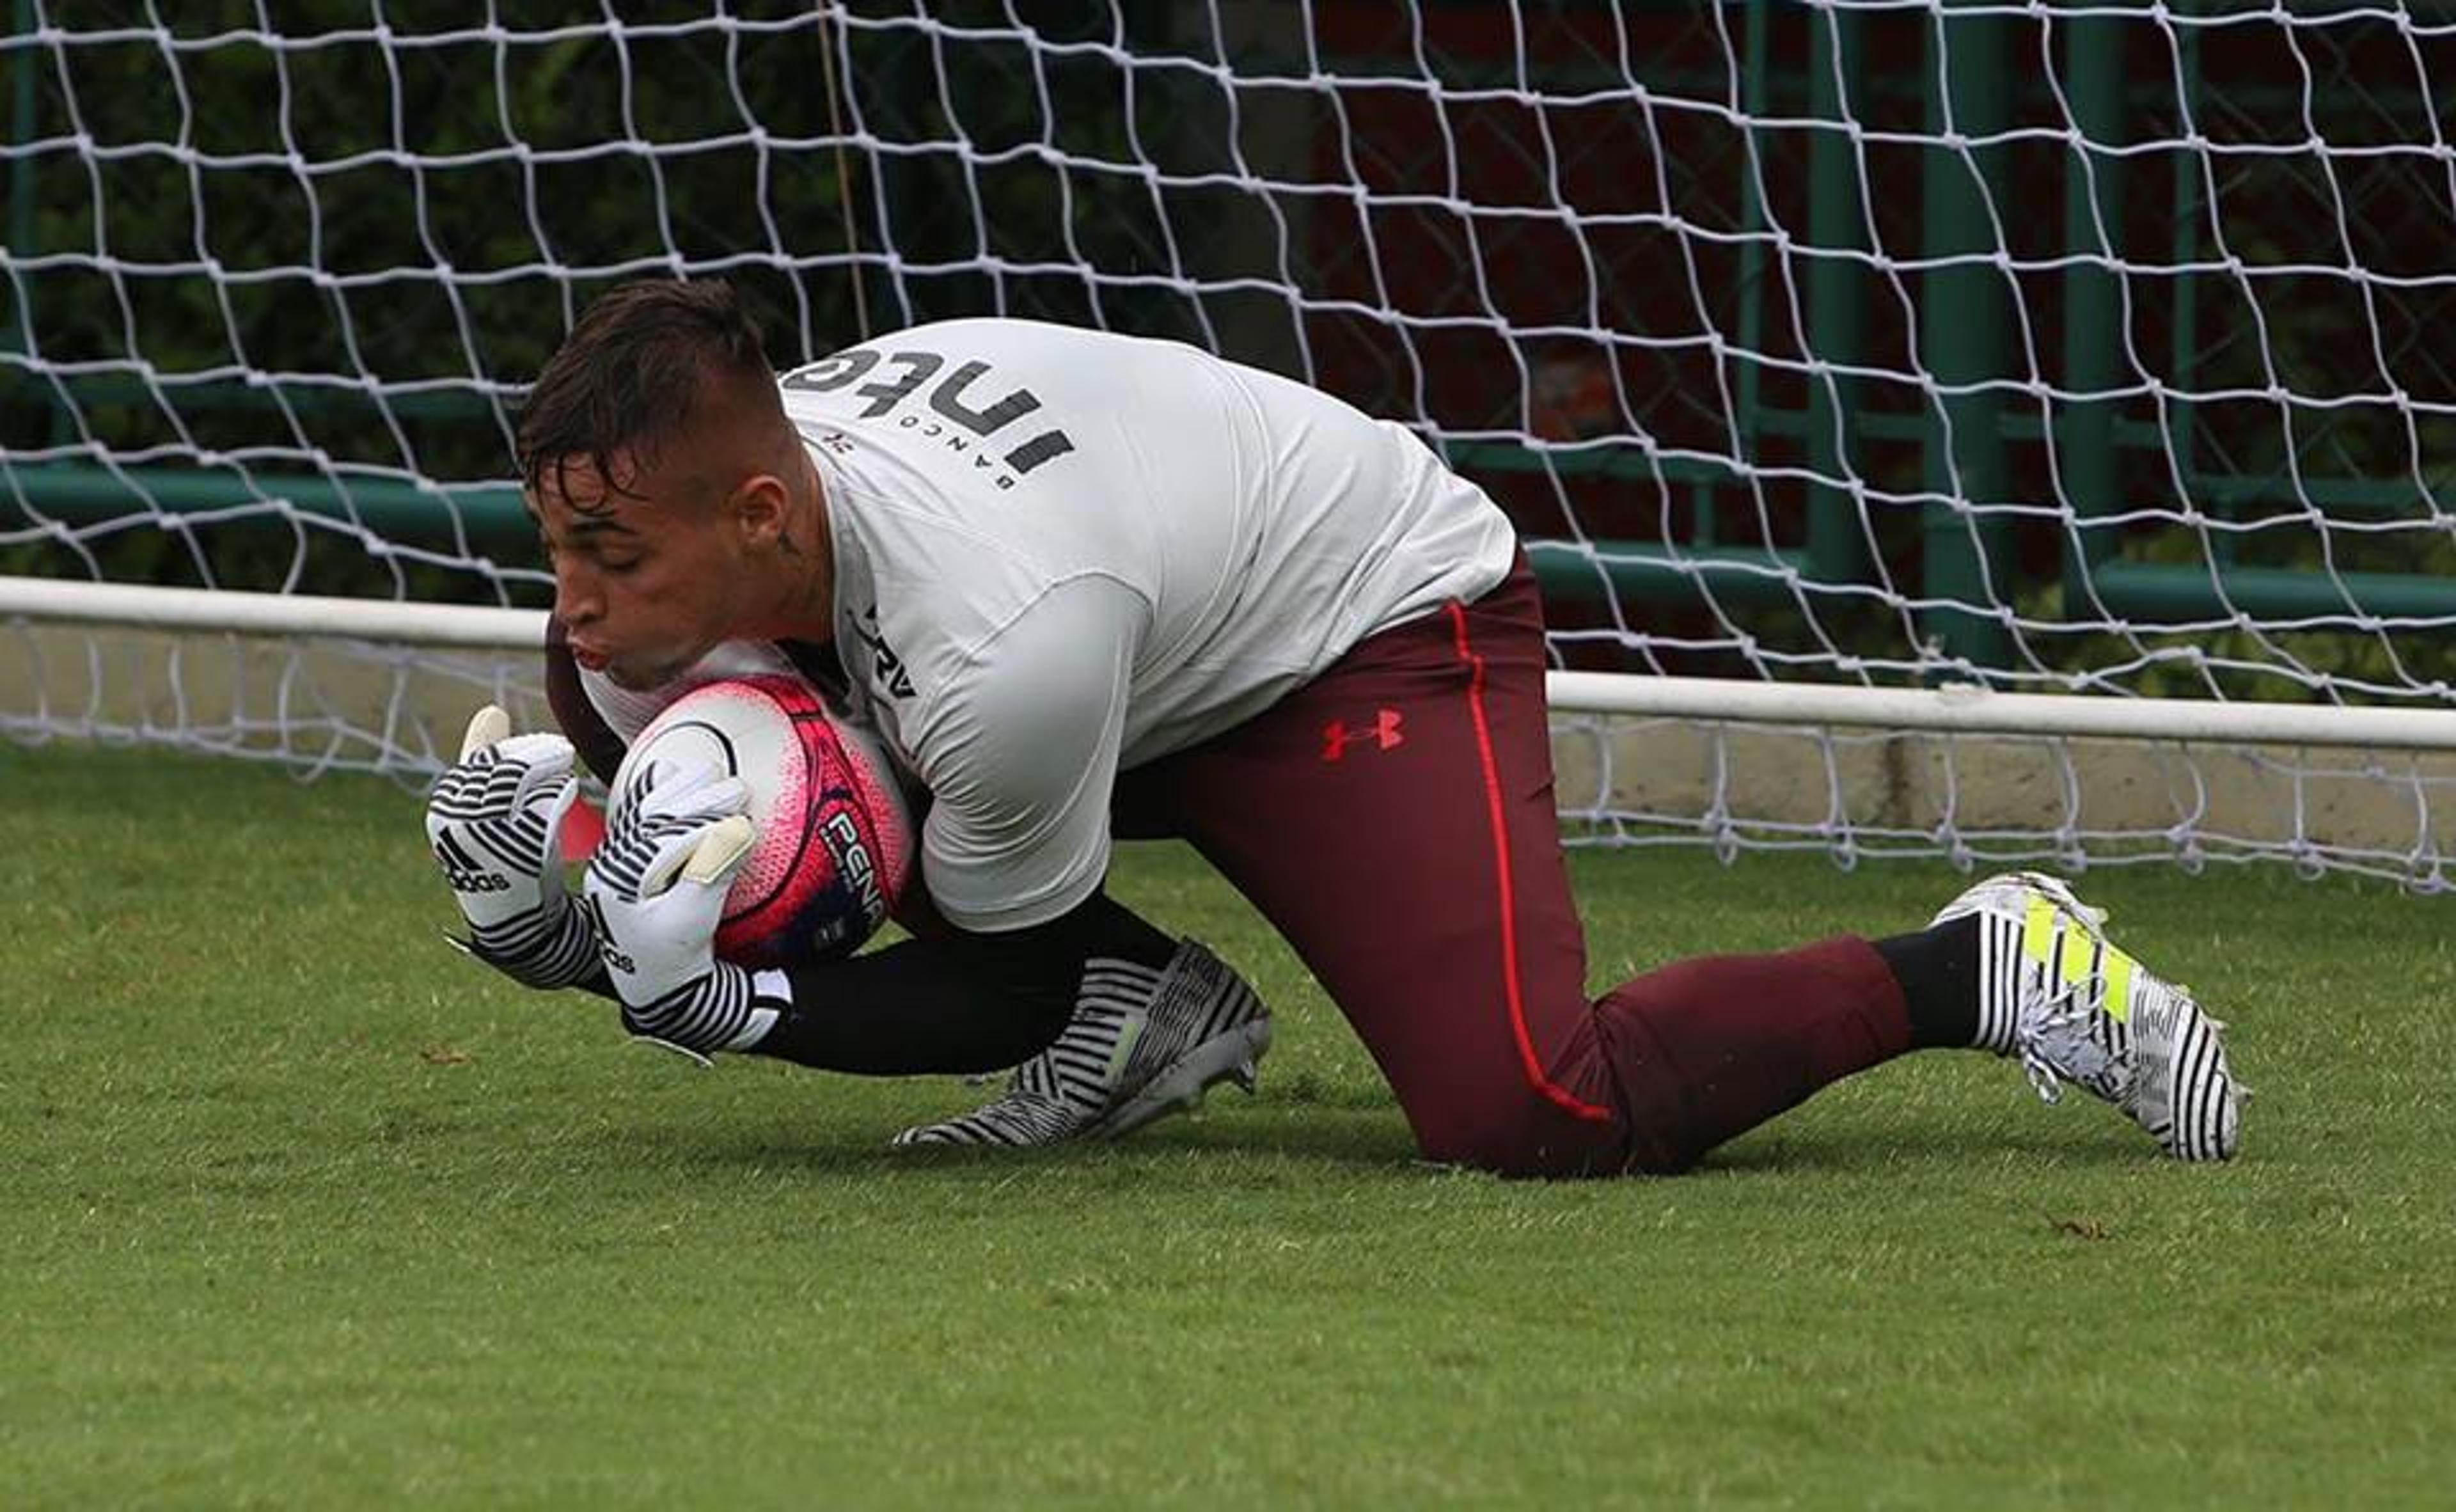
{"x": 2057, "y": 1044}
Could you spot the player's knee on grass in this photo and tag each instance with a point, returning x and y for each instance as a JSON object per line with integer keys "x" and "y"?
{"x": 1521, "y": 1131}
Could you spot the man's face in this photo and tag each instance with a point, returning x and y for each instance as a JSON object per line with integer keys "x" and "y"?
{"x": 643, "y": 576}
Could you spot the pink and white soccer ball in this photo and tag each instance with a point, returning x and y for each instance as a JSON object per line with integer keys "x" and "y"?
{"x": 834, "y": 850}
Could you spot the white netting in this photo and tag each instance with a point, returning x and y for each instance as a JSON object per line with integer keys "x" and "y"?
{"x": 2057, "y": 346}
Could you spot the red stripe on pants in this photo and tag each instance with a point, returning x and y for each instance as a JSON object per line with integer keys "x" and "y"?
{"x": 1504, "y": 885}
{"x": 1395, "y": 820}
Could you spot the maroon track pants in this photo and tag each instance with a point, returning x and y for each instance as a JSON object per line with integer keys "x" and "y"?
{"x": 1395, "y": 820}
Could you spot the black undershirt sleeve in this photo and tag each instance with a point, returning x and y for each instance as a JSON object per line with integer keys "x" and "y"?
{"x": 963, "y": 1003}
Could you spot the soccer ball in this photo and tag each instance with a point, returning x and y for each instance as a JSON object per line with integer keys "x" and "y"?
{"x": 834, "y": 846}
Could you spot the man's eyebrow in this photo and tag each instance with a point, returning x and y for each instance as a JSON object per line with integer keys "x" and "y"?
{"x": 582, "y": 531}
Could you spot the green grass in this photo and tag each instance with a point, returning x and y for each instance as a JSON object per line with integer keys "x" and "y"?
{"x": 301, "y": 1209}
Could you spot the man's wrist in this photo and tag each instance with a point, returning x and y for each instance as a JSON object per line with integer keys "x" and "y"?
{"x": 546, "y": 948}
{"x": 726, "y": 1009}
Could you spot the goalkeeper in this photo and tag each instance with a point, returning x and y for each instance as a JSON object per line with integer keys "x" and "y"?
{"x": 1088, "y": 587}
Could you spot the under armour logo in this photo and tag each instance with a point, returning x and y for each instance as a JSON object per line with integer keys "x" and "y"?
{"x": 1382, "y": 732}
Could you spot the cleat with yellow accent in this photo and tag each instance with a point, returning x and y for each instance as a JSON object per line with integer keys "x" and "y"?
{"x": 2054, "y": 992}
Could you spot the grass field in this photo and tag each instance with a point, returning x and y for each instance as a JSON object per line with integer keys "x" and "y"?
{"x": 301, "y": 1209}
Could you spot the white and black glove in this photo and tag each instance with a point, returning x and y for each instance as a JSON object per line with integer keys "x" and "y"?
{"x": 657, "y": 885}
{"x": 495, "y": 823}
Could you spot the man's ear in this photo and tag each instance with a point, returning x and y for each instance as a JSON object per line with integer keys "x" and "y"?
{"x": 757, "y": 509}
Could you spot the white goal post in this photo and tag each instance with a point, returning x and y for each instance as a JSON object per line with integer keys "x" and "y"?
{"x": 1995, "y": 431}
{"x": 1959, "y": 708}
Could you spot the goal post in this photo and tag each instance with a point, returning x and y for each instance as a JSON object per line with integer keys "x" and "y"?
{"x": 1955, "y": 708}
{"x": 1987, "y": 430}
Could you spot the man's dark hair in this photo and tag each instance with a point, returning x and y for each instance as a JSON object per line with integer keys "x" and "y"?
{"x": 642, "y": 358}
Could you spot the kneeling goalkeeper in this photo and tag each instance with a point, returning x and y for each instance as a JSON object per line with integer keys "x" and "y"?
{"x": 1087, "y": 587}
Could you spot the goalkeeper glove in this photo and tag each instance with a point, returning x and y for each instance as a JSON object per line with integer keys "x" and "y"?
{"x": 495, "y": 823}
{"x": 657, "y": 885}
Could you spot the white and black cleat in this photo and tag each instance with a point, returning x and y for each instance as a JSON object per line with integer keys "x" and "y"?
{"x": 1143, "y": 1044}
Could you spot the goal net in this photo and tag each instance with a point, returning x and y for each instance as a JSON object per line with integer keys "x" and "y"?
{"x": 1997, "y": 431}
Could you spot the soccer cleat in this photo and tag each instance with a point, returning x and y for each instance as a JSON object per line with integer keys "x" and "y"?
{"x": 1142, "y": 1044}
{"x": 2054, "y": 992}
